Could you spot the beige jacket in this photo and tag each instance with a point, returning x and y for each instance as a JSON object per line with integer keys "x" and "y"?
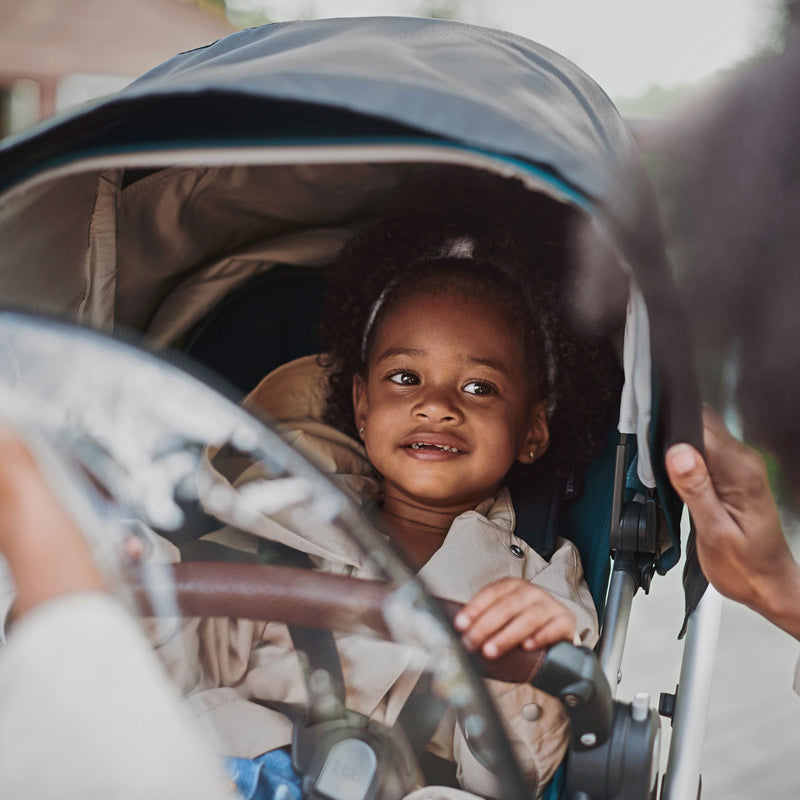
{"x": 234, "y": 662}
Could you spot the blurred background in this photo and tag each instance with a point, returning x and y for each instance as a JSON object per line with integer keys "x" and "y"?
{"x": 653, "y": 59}
{"x": 648, "y": 56}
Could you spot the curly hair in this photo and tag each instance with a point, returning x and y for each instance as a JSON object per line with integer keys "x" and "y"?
{"x": 519, "y": 260}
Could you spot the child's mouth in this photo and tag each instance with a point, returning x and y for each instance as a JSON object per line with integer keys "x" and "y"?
{"x": 434, "y": 447}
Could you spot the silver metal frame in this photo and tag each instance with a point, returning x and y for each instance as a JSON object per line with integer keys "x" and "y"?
{"x": 682, "y": 776}
{"x": 615, "y": 626}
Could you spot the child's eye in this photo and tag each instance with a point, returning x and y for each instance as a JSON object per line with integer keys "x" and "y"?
{"x": 404, "y": 378}
{"x": 479, "y": 388}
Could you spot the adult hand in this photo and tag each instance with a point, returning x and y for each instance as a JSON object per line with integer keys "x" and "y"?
{"x": 46, "y": 552}
{"x": 740, "y": 541}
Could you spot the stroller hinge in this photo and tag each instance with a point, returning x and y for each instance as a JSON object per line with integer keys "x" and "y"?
{"x": 635, "y": 524}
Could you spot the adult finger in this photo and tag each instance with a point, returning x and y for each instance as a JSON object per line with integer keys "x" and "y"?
{"x": 712, "y": 422}
{"x": 690, "y": 478}
{"x": 731, "y": 463}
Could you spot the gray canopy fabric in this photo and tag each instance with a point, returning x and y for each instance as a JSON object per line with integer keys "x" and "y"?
{"x": 483, "y": 88}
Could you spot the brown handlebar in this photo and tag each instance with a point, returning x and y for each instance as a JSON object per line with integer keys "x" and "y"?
{"x": 294, "y": 596}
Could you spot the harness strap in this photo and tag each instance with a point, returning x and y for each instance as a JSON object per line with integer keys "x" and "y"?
{"x": 537, "y": 495}
{"x": 419, "y": 717}
{"x": 422, "y": 713}
{"x": 322, "y": 673}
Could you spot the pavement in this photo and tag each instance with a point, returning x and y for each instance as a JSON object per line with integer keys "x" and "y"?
{"x": 752, "y": 744}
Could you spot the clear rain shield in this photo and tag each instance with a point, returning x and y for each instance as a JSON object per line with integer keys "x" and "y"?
{"x": 136, "y": 445}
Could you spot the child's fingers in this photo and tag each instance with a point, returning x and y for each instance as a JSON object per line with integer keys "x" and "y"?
{"x": 558, "y": 628}
{"x": 536, "y": 626}
{"x": 482, "y": 601}
{"x": 491, "y": 609}
{"x": 511, "y": 613}
{"x": 513, "y": 634}
{"x": 514, "y": 614}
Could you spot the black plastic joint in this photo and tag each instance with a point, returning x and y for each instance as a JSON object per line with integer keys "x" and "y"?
{"x": 666, "y": 703}
{"x": 637, "y": 532}
{"x": 573, "y": 675}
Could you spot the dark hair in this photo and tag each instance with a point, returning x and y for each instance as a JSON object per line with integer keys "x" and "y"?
{"x": 519, "y": 261}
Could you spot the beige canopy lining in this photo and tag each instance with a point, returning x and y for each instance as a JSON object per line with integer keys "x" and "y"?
{"x": 187, "y": 236}
{"x": 158, "y": 253}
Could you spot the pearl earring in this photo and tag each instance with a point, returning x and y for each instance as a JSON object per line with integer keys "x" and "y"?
{"x": 532, "y": 454}
{"x": 361, "y": 430}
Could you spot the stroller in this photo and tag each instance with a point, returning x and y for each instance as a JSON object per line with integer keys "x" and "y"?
{"x": 206, "y": 198}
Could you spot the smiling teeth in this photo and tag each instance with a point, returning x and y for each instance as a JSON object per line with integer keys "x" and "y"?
{"x": 419, "y": 446}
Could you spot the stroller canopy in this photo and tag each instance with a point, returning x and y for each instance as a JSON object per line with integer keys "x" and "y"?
{"x": 457, "y": 93}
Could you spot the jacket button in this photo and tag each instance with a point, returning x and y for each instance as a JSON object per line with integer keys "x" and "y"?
{"x": 517, "y": 551}
{"x": 531, "y": 712}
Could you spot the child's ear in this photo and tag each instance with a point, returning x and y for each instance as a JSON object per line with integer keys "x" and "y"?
{"x": 360, "y": 403}
{"x": 537, "y": 438}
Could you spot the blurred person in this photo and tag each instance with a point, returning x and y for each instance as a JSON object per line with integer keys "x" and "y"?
{"x": 86, "y": 710}
{"x": 734, "y": 218}
{"x": 740, "y": 213}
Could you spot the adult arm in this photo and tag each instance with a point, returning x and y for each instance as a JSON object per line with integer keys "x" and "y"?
{"x": 45, "y": 551}
{"x": 85, "y": 708}
{"x": 740, "y": 542}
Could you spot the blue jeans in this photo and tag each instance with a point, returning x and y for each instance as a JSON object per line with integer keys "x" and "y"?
{"x": 268, "y": 777}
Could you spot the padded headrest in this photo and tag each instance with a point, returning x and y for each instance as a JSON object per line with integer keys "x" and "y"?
{"x": 295, "y": 390}
{"x": 293, "y": 395}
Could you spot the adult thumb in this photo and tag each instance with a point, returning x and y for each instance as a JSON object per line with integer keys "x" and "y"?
{"x": 689, "y": 476}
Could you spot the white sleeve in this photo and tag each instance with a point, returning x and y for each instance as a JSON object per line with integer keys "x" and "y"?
{"x": 87, "y": 711}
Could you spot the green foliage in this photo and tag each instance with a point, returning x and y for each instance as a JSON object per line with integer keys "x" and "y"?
{"x": 240, "y": 13}
{"x": 440, "y": 9}
{"x": 786, "y": 16}
{"x": 781, "y": 488}
{"x": 657, "y": 101}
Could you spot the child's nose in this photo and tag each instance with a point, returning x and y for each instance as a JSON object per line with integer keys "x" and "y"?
{"x": 439, "y": 404}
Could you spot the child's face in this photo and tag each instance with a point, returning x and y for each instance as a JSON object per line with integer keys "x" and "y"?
{"x": 447, "y": 406}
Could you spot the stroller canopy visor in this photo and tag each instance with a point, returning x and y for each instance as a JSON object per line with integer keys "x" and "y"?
{"x": 482, "y": 88}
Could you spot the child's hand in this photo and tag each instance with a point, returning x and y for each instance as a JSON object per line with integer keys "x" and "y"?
{"x": 512, "y": 612}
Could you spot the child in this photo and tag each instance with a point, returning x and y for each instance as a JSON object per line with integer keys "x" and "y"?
{"x": 452, "y": 364}
{"x": 448, "y": 401}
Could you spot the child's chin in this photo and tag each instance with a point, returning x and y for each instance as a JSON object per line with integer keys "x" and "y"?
{"x": 447, "y": 499}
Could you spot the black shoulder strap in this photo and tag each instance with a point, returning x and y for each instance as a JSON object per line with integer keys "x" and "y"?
{"x": 422, "y": 713}
{"x": 325, "y": 700}
{"x": 536, "y": 494}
